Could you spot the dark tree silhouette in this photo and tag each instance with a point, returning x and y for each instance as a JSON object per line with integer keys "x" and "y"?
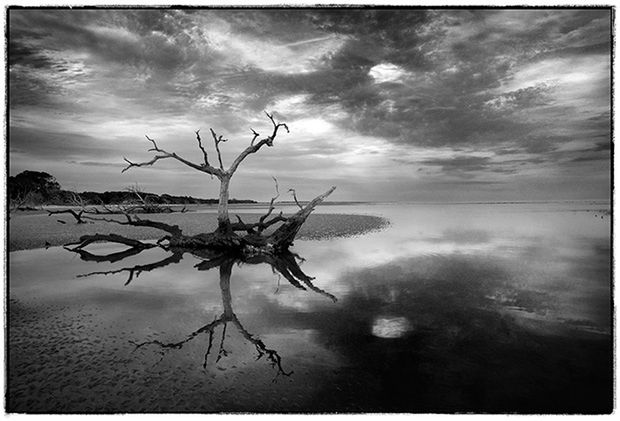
{"x": 32, "y": 182}
{"x": 29, "y": 189}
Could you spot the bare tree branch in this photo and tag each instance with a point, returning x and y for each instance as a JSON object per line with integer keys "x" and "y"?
{"x": 255, "y": 136}
{"x": 253, "y": 148}
{"x": 271, "y": 202}
{"x": 164, "y": 155}
{"x": 204, "y": 153}
{"x": 217, "y": 141}
{"x": 261, "y": 225}
{"x": 276, "y": 125}
{"x": 295, "y": 197}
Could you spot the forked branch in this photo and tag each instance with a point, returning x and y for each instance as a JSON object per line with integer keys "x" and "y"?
{"x": 217, "y": 140}
{"x": 165, "y": 155}
{"x": 262, "y": 223}
{"x": 204, "y": 152}
{"x": 295, "y": 198}
{"x": 254, "y": 147}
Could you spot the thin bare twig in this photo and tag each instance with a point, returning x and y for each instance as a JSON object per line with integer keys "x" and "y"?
{"x": 254, "y": 147}
{"x": 164, "y": 155}
{"x": 271, "y": 207}
{"x": 262, "y": 224}
{"x": 295, "y": 197}
{"x": 255, "y": 136}
{"x": 204, "y": 153}
{"x": 217, "y": 141}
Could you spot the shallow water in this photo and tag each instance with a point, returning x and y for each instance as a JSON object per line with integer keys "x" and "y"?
{"x": 452, "y": 308}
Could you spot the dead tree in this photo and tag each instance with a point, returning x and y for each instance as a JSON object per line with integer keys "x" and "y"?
{"x": 24, "y": 202}
{"x": 78, "y": 202}
{"x": 247, "y": 238}
{"x": 284, "y": 263}
{"x": 141, "y": 203}
{"x": 223, "y": 175}
{"x": 230, "y": 243}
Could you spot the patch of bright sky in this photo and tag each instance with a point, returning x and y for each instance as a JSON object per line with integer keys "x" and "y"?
{"x": 303, "y": 56}
{"x": 387, "y": 72}
{"x": 574, "y": 73}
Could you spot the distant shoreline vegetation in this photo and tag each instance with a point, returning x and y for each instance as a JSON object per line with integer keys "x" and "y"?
{"x": 119, "y": 197}
{"x": 30, "y": 189}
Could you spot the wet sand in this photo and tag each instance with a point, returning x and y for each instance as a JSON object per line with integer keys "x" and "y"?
{"x": 30, "y": 230}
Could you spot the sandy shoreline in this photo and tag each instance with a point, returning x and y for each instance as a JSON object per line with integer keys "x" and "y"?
{"x": 30, "y": 230}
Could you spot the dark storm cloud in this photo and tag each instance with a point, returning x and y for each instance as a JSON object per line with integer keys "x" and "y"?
{"x": 54, "y": 145}
{"x": 524, "y": 86}
{"x": 98, "y": 164}
{"x": 602, "y": 146}
{"x": 601, "y": 152}
{"x": 465, "y": 183}
{"x": 444, "y": 95}
{"x": 106, "y": 34}
{"x": 466, "y": 166}
{"x": 24, "y": 54}
{"x": 451, "y": 107}
{"x": 119, "y": 47}
{"x": 463, "y": 163}
{"x": 589, "y": 158}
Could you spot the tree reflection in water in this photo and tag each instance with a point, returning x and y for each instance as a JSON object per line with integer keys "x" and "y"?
{"x": 284, "y": 263}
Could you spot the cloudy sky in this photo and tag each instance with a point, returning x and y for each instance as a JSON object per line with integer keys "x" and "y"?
{"x": 416, "y": 105}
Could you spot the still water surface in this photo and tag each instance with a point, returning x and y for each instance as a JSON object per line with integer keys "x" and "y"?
{"x": 452, "y": 308}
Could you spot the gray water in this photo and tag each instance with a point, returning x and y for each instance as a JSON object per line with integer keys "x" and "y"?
{"x": 452, "y": 308}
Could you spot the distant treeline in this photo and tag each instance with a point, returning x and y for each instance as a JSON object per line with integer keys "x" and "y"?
{"x": 119, "y": 197}
{"x": 34, "y": 188}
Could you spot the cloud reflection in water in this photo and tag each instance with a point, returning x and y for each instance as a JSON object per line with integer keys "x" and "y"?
{"x": 390, "y": 327}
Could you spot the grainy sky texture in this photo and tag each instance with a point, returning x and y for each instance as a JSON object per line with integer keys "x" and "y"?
{"x": 414, "y": 104}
